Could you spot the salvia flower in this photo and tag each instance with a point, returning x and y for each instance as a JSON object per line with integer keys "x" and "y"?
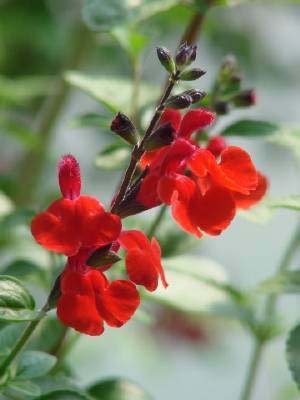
{"x": 79, "y": 227}
{"x": 204, "y": 187}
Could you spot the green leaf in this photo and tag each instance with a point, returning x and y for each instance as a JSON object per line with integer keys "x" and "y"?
{"x": 16, "y": 303}
{"x": 199, "y": 285}
{"x": 27, "y": 270}
{"x": 103, "y": 15}
{"x": 19, "y": 91}
{"x": 118, "y": 389}
{"x": 250, "y": 128}
{"x": 47, "y": 335}
{"x": 284, "y": 282}
{"x": 130, "y": 40}
{"x": 24, "y": 388}
{"x": 104, "y": 90}
{"x": 8, "y": 336}
{"x": 113, "y": 157}
{"x": 261, "y": 213}
{"x": 92, "y": 120}
{"x": 293, "y": 354}
{"x": 64, "y": 395}
{"x": 33, "y": 364}
{"x": 18, "y": 131}
{"x": 290, "y": 202}
{"x": 288, "y": 137}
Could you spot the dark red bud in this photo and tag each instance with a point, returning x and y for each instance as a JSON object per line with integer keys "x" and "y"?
{"x": 166, "y": 59}
{"x": 195, "y": 94}
{"x": 245, "y": 98}
{"x": 180, "y": 101}
{"x": 163, "y": 136}
{"x": 123, "y": 127}
{"x": 221, "y": 107}
{"x": 192, "y": 74}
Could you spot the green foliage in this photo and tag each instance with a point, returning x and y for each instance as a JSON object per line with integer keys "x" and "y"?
{"x": 293, "y": 354}
{"x": 64, "y": 395}
{"x": 93, "y": 120}
{"x": 104, "y": 15}
{"x": 250, "y": 128}
{"x": 118, "y": 389}
{"x": 22, "y": 388}
{"x": 284, "y": 282}
{"x": 115, "y": 156}
{"x": 130, "y": 40}
{"x": 34, "y": 364}
{"x": 289, "y": 202}
{"x": 288, "y": 137}
{"x": 16, "y": 303}
{"x": 28, "y": 271}
{"x": 104, "y": 90}
{"x": 199, "y": 285}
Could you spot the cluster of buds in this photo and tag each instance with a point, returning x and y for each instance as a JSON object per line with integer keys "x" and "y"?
{"x": 185, "y": 56}
{"x": 227, "y": 91}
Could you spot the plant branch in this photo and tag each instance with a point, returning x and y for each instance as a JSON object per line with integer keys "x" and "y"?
{"x": 22, "y": 340}
{"x": 270, "y": 311}
{"x": 139, "y": 150}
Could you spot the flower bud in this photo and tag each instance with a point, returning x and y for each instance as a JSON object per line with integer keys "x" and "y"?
{"x": 216, "y": 145}
{"x": 185, "y": 55}
{"x": 195, "y": 94}
{"x": 221, "y": 107}
{"x": 166, "y": 59}
{"x": 180, "y": 101}
{"x": 69, "y": 177}
{"x": 102, "y": 257}
{"x": 245, "y": 98}
{"x": 123, "y": 127}
{"x": 163, "y": 136}
{"x": 192, "y": 74}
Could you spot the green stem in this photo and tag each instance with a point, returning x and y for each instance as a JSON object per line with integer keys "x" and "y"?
{"x": 252, "y": 370}
{"x": 157, "y": 221}
{"x": 270, "y": 311}
{"x": 22, "y": 340}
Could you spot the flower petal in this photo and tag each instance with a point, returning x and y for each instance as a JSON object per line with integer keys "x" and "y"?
{"x": 172, "y": 116}
{"x": 57, "y": 229}
{"x": 194, "y": 120}
{"x": 214, "y": 211}
{"x": 118, "y": 302}
{"x": 143, "y": 263}
{"x": 246, "y": 201}
{"x": 97, "y": 227}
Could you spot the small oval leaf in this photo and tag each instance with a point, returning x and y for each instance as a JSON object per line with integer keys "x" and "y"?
{"x": 16, "y": 303}
{"x": 293, "y": 354}
{"x": 248, "y": 128}
{"x": 34, "y": 364}
{"x": 118, "y": 389}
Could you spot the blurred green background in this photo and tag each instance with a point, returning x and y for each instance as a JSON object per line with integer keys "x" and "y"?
{"x": 39, "y": 41}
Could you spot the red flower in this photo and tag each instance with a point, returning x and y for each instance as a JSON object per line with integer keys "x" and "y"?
{"x": 202, "y": 192}
{"x": 88, "y": 299}
{"x": 74, "y": 221}
{"x": 143, "y": 262}
{"x": 77, "y": 226}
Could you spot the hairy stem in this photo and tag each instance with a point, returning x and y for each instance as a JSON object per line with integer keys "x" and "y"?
{"x": 33, "y": 161}
{"x": 157, "y": 221}
{"x": 269, "y": 315}
{"x": 139, "y": 150}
